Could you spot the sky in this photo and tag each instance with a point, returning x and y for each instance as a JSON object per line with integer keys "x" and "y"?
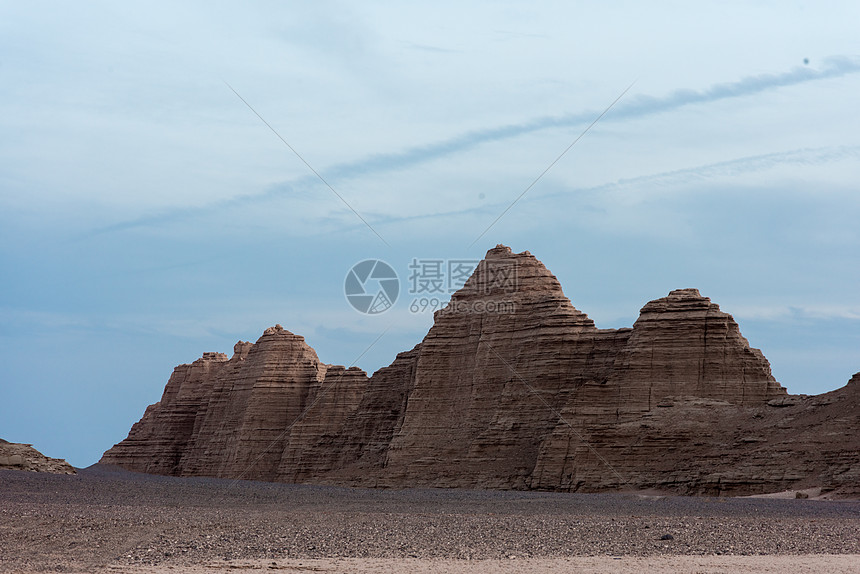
{"x": 175, "y": 178}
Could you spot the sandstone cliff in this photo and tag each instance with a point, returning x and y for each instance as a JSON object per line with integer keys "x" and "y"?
{"x": 512, "y": 387}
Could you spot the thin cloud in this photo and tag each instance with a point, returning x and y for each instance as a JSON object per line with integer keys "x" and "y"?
{"x": 823, "y": 312}
{"x": 835, "y": 67}
{"x": 705, "y": 172}
{"x": 636, "y": 107}
{"x": 729, "y": 168}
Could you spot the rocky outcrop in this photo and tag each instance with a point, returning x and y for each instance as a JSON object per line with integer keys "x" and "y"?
{"x": 261, "y": 414}
{"x": 158, "y": 442}
{"x": 691, "y": 445}
{"x": 512, "y": 387}
{"x": 16, "y": 456}
{"x": 360, "y": 451}
{"x": 684, "y": 344}
{"x": 510, "y": 342}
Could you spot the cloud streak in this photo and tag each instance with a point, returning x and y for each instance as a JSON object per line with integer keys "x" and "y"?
{"x": 835, "y": 67}
{"x": 729, "y": 168}
{"x": 822, "y": 312}
{"x": 636, "y": 107}
{"x": 639, "y": 106}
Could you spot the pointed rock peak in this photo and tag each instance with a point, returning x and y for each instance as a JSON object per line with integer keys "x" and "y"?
{"x": 688, "y": 293}
{"x": 276, "y": 329}
{"x": 855, "y": 380}
{"x": 241, "y": 349}
{"x": 340, "y": 369}
{"x": 279, "y": 332}
{"x": 212, "y": 357}
{"x": 503, "y": 251}
{"x": 498, "y": 250}
{"x": 680, "y": 300}
{"x": 278, "y": 340}
{"x": 504, "y": 273}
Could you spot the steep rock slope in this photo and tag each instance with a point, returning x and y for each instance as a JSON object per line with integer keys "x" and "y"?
{"x": 510, "y": 343}
{"x": 257, "y": 415}
{"x": 159, "y": 440}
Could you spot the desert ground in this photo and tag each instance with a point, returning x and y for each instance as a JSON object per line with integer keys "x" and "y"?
{"x": 107, "y": 520}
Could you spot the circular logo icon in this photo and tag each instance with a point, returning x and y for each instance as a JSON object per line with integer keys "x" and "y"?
{"x": 371, "y": 286}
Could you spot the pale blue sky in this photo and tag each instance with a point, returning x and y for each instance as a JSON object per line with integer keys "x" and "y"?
{"x": 147, "y": 215}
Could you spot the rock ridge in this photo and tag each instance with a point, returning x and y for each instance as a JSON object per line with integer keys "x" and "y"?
{"x": 511, "y": 388}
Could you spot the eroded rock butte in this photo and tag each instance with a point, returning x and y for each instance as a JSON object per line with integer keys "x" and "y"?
{"x": 512, "y": 388}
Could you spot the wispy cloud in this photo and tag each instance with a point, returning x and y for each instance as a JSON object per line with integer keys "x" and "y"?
{"x": 729, "y": 168}
{"x": 700, "y": 173}
{"x": 835, "y": 66}
{"x": 822, "y": 312}
{"x": 705, "y": 172}
{"x": 636, "y": 107}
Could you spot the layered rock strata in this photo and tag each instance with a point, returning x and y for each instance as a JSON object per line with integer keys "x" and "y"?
{"x": 259, "y": 414}
{"x": 512, "y": 387}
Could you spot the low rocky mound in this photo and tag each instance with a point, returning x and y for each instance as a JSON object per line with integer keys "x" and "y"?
{"x": 512, "y": 388}
{"x": 14, "y": 456}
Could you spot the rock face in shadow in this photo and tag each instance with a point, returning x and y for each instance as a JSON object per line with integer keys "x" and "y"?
{"x": 16, "y": 456}
{"x": 512, "y": 387}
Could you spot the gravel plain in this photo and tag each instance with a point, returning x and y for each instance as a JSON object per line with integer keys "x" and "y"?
{"x": 103, "y": 519}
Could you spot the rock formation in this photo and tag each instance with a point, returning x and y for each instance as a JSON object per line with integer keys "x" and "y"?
{"x": 512, "y": 387}
{"x": 257, "y": 415}
{"x": 16, "y": 456}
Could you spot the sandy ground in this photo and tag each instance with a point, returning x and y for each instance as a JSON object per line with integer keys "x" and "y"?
{"x": 107, "y": 521}
{"x": 811, "y": 564}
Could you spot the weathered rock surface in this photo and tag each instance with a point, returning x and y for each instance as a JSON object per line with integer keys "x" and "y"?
{"x": 512, "y": 387}
{"x": 258, "y": 415}
{"x": 16, "y": 456}
{"x": 692, "y": 445}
